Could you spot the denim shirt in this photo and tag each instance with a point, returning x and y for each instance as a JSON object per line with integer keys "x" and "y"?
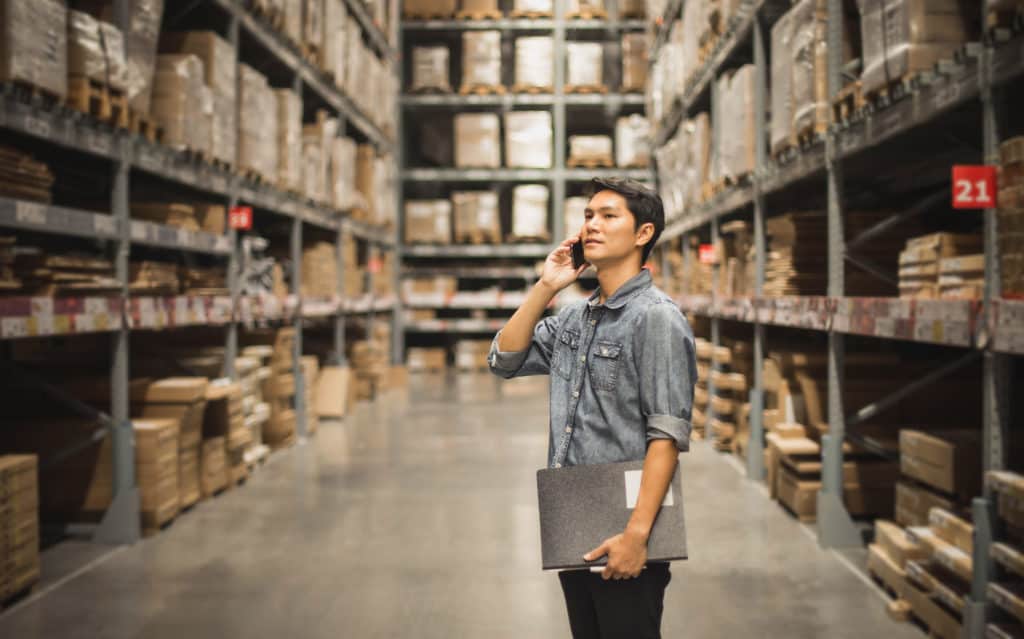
{"x": 622, "y": 374}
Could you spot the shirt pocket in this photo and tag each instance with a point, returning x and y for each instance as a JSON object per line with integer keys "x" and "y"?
{"x": 604, "y": 365}
{"x": 566, "y": 345}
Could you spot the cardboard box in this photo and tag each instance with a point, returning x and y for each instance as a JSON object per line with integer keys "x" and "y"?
{"x": 332, "y": 391}
{"x": 289, "y": 140}
{"x": 800, "y": 495}
{"x": 189, "y": 417}
{"x": 946, "y": 554}
{"x": 530, "y": 212}
{"x": 182, "y": 103}
{"x": 481, "y": 58}
{"x": 476, "y": 216}
{"x": 33, "y": 44}
{"x": 949, "y": 460}
{"x": 584, "y": 64}
{"x": 534, "y": 63}
{"x": 171, "y": 390}
{"x": 214, "y": 466}
{"x": 428, "y": 221}
{"x": 897, "y": 544}
{"x": 257, "y": 124}
{"x": 477, "y": 140}
{"x": 430, "y": 69}
{"x": 1009, "y": 597}
{"x": 885, "y": 568}
{"x": 428, "y": 8}
{"x": 952, "y": 529}
{"x": 528, "y": 139}
{"x": 914, "y": 503}
{"x": 96, "y": 51}
{"x": 634, "y": 62}
{"x": 189, "y": 483}
{"x": 426, "y": 359}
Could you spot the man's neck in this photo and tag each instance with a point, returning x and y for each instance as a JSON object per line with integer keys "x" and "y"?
{"x": 611, "y": 278}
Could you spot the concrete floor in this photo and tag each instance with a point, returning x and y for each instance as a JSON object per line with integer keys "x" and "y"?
{"x": 416, "y": 518}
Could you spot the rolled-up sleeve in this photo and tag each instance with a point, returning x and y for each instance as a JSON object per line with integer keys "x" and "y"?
{"x": 667, "y": 367}
{"x": 535, "y": 360}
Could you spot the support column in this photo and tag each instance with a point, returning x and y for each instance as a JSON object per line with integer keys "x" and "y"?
{"x": 339, "y": 318}
{"x": 558, "y": 116}
{"x": 234, "y": 284}
{"x": 835, "y": 526}
{"x": 755, "y": 447}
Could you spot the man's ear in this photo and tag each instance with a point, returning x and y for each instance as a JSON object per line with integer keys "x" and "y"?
{"x": 644, "y": 234}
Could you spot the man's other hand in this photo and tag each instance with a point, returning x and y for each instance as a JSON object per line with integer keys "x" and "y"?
{"x": 627, "y": 554}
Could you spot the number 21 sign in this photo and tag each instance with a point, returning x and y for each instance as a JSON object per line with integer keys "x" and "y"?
{"x": 974, "y": 187}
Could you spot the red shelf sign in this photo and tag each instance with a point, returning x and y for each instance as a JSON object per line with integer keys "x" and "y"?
{"x": 974, "y": 187}
{"x": 707, "y": 253}
{"x": 240, "y": 218}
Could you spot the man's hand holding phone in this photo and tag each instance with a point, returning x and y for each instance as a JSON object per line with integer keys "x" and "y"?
{"x": 564, "y": 265}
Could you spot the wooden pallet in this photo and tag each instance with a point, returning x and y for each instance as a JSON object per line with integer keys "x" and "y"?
{"x": 431, "y": 90}
{"x": 479, "y": 15}
{"x": 94, "y": 98}
{"x": 482, "y": 89}
{"x": 424, "y": 15}
{"x": 31, "y": 93}
{"x": 895, "y": 90}
{"x": 528, "y": 239}
{"x": 586, "y": 89}
{"x": 599, "y": 162}
{"x": 810, "y": 134}
{"x": 220, "y": 163}
{"x": 251, "y": 175}
{"x": 140, "y": 124}
{"x": 531, "y": 15}
{"x": 532, "y": 89}
{"x": 593, "y": 13}
{"x": 644, "y": 164}
{"x": 848, "y": 102}
{"x": 477, "y": 237}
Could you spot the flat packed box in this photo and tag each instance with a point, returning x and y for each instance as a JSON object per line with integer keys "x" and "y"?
{"x": 477, "y": 140}
{"x": 948, "y": 460}
{"x": 914, "y": 503}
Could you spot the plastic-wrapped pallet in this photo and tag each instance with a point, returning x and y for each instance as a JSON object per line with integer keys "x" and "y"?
{"x": 332, "y": 56}
{"x": 903, "y": 37}
{"x": 219, "y": 65}
{"x": 312, "y": 158}
{"x": 95, "y": 51}
{"x": 366, "y": 164}
{"x": 584, "y": 64}
{"x": 781, "y": 82}
{"x": 742, "y": 138}
{"x": 481, "y": 58}
{"x": 1010, "y": 216}
{"x": 430, "y": 69}
{"x": 289, "y": 139}
{"x": 292, "y": 11}
{"x": 634, "y": 62}
{"x": 383, "y": 178}
{"x": 809, "y": 61}
{"x": 355, "y": 71}
{"x": 575, "y": 215}
{"x": 477, "y": 218}
{"x": 343, "y": 173}
{"x": 178, "y": 101}
{"x": 33, "y": 44}
{"x": 539, "y": 7}
{"x": 689, "y": 48}
{"x": 697, "y": 162}
{"x": 428, "y": 221}
{"x": 584, "y": 149}
{"x": 257, "y": 124}
{"x": 530, "y": 212}
{"x": 324, "y": 131}
{"x": 632, "y": 148}
{"x": 477, "y": 141}
{"x": 528, "y": 139}
{"x": 534, "y": 68}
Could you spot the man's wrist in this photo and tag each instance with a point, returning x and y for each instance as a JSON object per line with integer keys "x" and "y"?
{"x": 637, "y": 532}
{"x": 546, "y": 288}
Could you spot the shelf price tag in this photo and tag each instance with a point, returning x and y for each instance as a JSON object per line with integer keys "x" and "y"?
{"x": 707, "y": 253}
{"x": 240, "y": 217}
{"x": 974, "y": 186}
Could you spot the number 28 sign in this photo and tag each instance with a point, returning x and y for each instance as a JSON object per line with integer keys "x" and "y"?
{"x": 974, "y": 187}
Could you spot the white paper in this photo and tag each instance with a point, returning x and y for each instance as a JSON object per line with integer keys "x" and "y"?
{"x": 633, "y": 478}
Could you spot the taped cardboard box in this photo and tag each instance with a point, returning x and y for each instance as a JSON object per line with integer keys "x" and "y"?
{"x": 332, "y": 391}
{"x": 635, "y": 62}
{"x": 182, "y": 103}
{"x": 477, "y": 140}
{"x": 343, "y": 174}
{"x": 430, "y": 69}
{"x": 257, "y": 124}
{"x": 428, "y": 221}
{"x": 220, "y": 74}
{"x": 809, "y": 63}
{"x": 214, "y": 470}
{"x": 584, "y": 64}
{"x": 481, "y": 58}
{"x": 530, "y": 212}
{"x": 534, "y": 66}
{"x": 528, "y": 139}
{"x": 332, "y": 50}
{"x": 96, "y": 51}
{"x": 33, "y": 44}
{"x": 476, "y": 216}
{"x": 897, "y": 544}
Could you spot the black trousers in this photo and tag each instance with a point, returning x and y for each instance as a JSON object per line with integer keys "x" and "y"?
{"x": 626, "y": 609}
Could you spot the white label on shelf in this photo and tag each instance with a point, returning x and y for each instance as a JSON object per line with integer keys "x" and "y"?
{"x": 186, "y": 238}
{"x": 946, "y": 95}
{"x": 42, "y": 306}
{"x": 96, "y": 142}
{"x": 885, "y": 327}
{"x": 30, "y": 213}
{"x": 37, "y": 126}
{"x": 13, "y": 327}
{"x": 85, "y": 322}
{"x": 104, "y": 225}
{"x": 218, "y": 183}
{"x": 139, "y": 231}
{"x": 222, "y": 243}
{"x": 44, "y": 325}
{"x": 95, "y": 305}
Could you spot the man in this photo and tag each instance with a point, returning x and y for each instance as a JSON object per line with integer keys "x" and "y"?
{"x": 622, "y": 366}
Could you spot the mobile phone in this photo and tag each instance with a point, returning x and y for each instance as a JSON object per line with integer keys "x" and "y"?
{"x": 577, "y": 254}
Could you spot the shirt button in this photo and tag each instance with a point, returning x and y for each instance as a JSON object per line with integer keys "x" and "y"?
{"x": 558, "y": 465}
{"x": 575, "y": 393}
{"x": 568, "y": 429}
{"x": 593, "y": 322}
{"x": 583, "y": 358}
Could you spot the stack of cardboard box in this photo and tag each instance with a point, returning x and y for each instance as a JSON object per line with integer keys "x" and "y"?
{"x": 422, "y": 359}
{"x": 289, "y": 140}
{"x": 634, "y": 62}
{"x": 257, "y": 125}
{"x": 701, "y": 398}
{"x": 428, "y": 221}
{"x": 924, "y": 259}
{"x": 320, "y": 270}
{"x": 279, "y": 392}
{"x": 1011, "y": 217}
{"x": 352, "y": 271}
{"x": 530, "y": 213}
{"x": 156, "y": 471}
{"x": 35, "y": 45}
{"x": 19, "y": 524}
{"x": 478, "y": 141}
{"x": 182, "y": 103}
{"x": 476, "y": 216}
{"x": 471, "y": 354}
{"x": 182, "y": 399}
{"x": 225, "y": 418}
{"x": 253, "y": 371}
{"x": 732, "y": 366}
{"x": 215, "y": 476}
{"x": 370, "y": 365}
{"x": 310, "y": 381}
{"x": 1008, "y": 552}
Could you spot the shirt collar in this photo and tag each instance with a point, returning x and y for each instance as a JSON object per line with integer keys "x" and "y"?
{"x": 632, "y": 287}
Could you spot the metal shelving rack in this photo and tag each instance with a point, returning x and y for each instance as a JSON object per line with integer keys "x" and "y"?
{"x": 558, "y": 178}
{"x": 121, "y": 314}
{"x": 992, "y": 330}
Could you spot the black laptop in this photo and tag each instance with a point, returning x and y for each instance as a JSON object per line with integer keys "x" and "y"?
{"x": 581, "y": 506}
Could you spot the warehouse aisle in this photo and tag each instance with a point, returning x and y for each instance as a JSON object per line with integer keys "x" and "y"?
{"x": 417, "y": 518}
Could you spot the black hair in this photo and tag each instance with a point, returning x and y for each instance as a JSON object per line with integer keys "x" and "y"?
{"x": 642, "y": 202}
